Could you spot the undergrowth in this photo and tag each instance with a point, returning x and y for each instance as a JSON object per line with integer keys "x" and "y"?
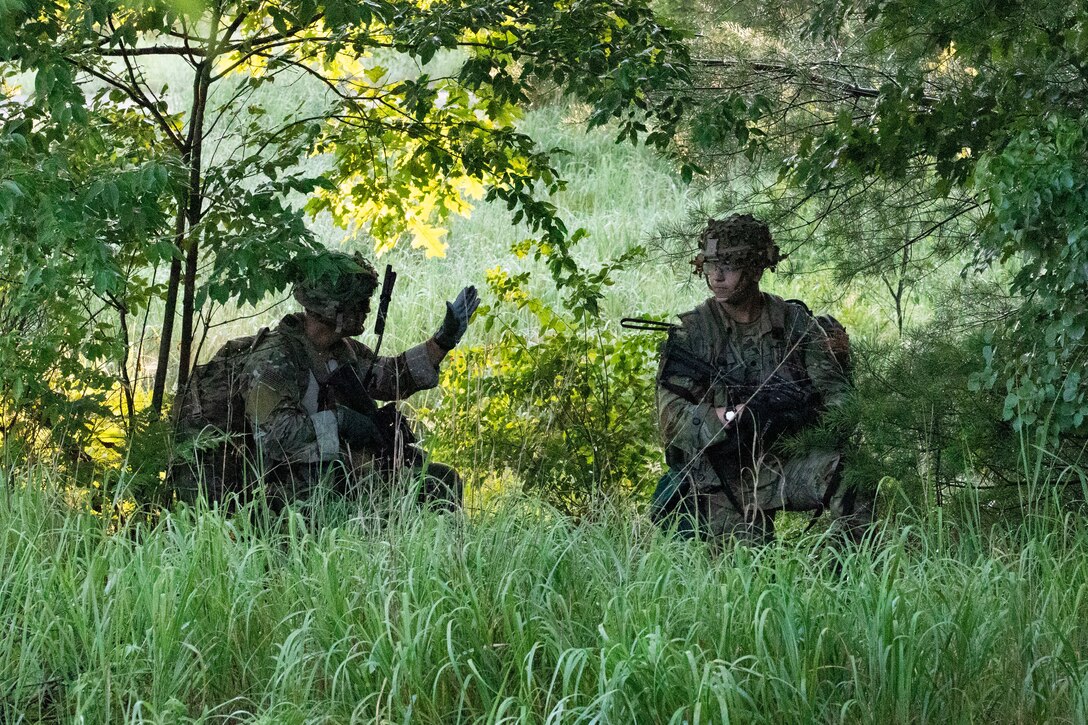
{"x": 517, "y": 614}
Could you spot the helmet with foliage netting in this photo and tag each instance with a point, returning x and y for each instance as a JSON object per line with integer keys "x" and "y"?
{"x": 739, "y": 240}
{"x": 335, "y": 283}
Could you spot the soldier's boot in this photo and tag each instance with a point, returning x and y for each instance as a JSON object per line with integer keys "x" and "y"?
{"x": 440, "y": 487}
{"x": 853, "y": 512}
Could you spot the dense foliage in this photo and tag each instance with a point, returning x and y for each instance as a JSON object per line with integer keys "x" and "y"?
{"x": 916, "y": 166}
{"x": 896, "y": 138}
{"x": 562, "y": 408}
{"x": 118, "y": 199}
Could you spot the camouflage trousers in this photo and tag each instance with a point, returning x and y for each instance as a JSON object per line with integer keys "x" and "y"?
{"x": 433, "y": 484}
{"x": 744, "y": 507}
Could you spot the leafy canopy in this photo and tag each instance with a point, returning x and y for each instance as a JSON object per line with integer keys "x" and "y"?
{"x": 412, "y": 120}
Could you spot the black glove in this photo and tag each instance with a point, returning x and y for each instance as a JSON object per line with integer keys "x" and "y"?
{"x": 777, "y": 397}
{"x": 358, "y": 430}
{"x": 397, "y": 436}
{"x": 458, "y": 314}
{"x": 781, "y": 407}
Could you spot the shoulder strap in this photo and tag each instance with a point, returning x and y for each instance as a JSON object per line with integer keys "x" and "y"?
{"x": 797, "y": 319}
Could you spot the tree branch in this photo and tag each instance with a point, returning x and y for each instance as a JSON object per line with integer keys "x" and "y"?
{"x": 817, "y": 79}
{"x": 138, "y": 98}
{"x": 151, "y": 50}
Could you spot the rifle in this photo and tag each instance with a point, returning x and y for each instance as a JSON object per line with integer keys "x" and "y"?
{"x": 398, "y": 437}
{"x": 643, "y": 324}
{"x": 388, "y": 280}
{"x": 351, "y": 389}
{"x": 392, "y": 426}
{"x": 726, "y": 457}
{"x": 775, "y": 407}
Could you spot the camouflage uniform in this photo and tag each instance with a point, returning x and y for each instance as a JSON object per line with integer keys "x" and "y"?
{"x": 283, "y": 410}
{"x": 292, "y": 410}
{"x": 786, "y": 345}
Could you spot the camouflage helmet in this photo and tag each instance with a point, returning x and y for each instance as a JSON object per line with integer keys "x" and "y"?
{"x": 740, "y": 240}
{"x": 341, "y": 282}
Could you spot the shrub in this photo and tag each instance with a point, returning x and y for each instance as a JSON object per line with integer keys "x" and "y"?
{"x": 567, "y": 410}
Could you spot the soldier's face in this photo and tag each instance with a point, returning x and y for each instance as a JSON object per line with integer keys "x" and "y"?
{"x": 732, "y": 283}
{"x": 355, "y": 319}
{"x": 352, "y": 320}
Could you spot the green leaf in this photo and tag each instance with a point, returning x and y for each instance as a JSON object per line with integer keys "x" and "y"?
{"x": 12, "y": 188}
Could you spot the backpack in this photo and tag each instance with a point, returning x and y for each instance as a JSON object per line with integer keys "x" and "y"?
{"x": 215, "y": 440}
{"x": 837, "y": 337}
{"x": 839, "y": 340}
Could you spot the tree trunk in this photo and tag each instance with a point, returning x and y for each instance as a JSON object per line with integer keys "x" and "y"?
{"x": 188, "y": 305}
{"x": 195, "y": 211}
{"x": 166, "y": 338}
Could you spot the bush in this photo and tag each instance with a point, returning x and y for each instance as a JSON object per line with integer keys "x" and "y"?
{"x": 567, "y": 412}
{"x": 923, "y": 426}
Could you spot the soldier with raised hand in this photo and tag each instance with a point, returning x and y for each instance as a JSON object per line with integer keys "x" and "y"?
{"x": 309, "y": 389}
{"x": 742, "y": 372}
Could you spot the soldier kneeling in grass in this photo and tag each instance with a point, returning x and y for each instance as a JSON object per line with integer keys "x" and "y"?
{"x": 742, "y": 373}
{"x": 294, "y": 407}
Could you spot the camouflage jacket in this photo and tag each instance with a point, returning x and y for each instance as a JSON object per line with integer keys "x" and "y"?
{"x": 784, "y": 341}
{"x": 286, "y": 397}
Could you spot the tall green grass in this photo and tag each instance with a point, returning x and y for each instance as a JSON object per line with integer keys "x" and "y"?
{"x": 515, "y": 615}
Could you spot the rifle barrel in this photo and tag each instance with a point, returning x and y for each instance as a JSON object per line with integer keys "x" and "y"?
{"x": 645, "y": 325}
{"x": 388, "y": 280}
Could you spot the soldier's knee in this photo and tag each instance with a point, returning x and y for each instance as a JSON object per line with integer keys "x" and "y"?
{"x": 852, "y": 500}
{"x": 712, "y": 516}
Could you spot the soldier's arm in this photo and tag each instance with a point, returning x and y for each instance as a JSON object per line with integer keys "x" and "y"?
{"x": 686, "y": 420}
{"x": 283, "y": 430}
{"x": 692, "y": 427}
{"x": 399, "y": 376}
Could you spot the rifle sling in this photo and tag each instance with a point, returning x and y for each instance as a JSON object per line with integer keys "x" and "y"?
{"x": 679, "y": 391}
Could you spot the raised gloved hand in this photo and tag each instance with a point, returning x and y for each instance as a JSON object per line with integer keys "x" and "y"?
{"x": 458, "y": 314}
{"x": 358, "y": 430}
